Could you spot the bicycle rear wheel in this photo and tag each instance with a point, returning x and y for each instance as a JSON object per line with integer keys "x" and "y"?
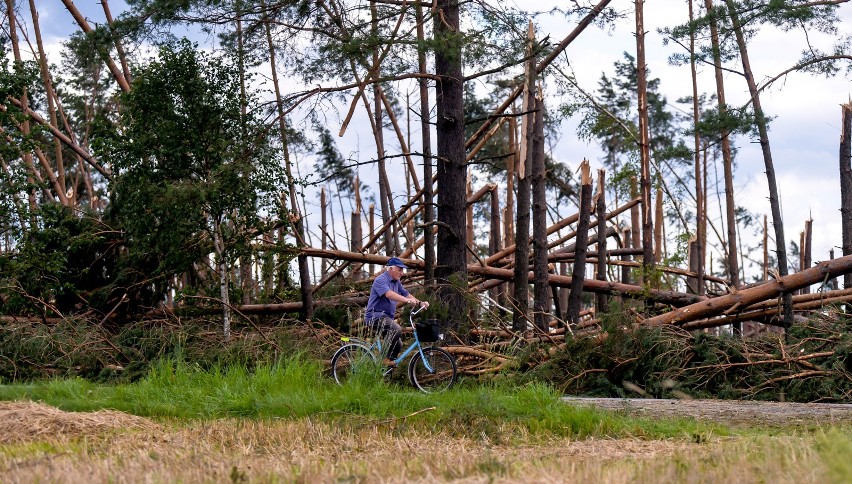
{"x": 352, "y": 359}
{"x": 442, "y": 374}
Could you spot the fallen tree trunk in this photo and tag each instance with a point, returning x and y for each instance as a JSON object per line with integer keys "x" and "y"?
{"x": 605, "y": 287}
{"x": 591, "y": 285}
{"x": 762, "y": 313}
{"x": 744, "y": 298}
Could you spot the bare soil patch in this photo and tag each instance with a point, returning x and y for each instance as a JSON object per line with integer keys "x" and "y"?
{"x": 725, "y": 411}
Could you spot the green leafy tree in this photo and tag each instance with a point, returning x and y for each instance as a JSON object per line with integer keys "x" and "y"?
{"x": 193, "y": 173}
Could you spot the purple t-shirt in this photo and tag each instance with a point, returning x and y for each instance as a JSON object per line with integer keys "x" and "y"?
{"x": 379, "y": 305}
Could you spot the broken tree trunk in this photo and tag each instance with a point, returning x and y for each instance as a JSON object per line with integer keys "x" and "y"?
{"x": 676, "y": 299}
{"x": 539, "y": 208}
{"x": 585, "y": 22}
{"x": 495, "y": 235}
{"x": 572, "y": 312}
{"x": 636, "y": 224}
{"x": 522, "y": 221}
{"x": 296, "y": 221}
{"x": 323, "y": 230}
{"x": 644, "y": 140}
{"x": 846, "y": 185}
{"x": 746, "y": 297}
{"x": 696, "y": 252}
{"x": 601, "y": 299}
{"x": 625, "y": 257}
{"x": 658, "y": 228}
{"x": 355, "y": 243}
{"x": 426, "y": 131}
{"x": 806, "y": 252}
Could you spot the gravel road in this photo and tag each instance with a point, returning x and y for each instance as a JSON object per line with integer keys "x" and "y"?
{"x": 726, "y": 411}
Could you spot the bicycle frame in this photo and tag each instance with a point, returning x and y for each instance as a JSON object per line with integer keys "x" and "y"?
{"x": 416, "y": 344}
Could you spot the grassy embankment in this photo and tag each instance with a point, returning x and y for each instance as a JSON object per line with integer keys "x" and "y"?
{"x": 288, "y": 422}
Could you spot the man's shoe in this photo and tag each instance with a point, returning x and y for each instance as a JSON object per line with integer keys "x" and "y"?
{"x": 389, "y": 363}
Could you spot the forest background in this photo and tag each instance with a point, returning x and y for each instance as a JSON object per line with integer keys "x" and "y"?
{"x": 806, "y": 133}
{"x": 805, "y": 128}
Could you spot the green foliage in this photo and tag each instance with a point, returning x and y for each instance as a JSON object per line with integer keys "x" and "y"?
{"x": 188, "y": 162}
{"x": 63, "y": 264}
{"x": 613, "y": 123}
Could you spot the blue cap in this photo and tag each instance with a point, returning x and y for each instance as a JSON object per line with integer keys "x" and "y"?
{"x": 396, "y": 261}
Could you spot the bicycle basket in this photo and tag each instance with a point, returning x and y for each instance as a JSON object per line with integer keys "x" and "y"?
{"x": 428, "y": 331}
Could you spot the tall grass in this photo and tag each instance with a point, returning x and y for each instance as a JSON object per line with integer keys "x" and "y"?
{"x": 297, "y": 388}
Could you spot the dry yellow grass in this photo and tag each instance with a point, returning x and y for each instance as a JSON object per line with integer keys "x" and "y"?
{"x": 115, "y": 447}
{"x": 27, "y": 421}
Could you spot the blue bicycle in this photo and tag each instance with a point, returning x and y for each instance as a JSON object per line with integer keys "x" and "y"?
{"x": 431, "y": 369}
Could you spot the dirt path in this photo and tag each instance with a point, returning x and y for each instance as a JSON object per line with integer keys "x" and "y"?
{"x": 726, "y": 411}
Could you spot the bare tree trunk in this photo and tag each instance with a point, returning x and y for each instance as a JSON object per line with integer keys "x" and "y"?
{"x": 658, "y": 228}
{"x": 296, "y": 220}
{"x": 727, "y": 159}
{"x": 246, "y": 282}
{"x": 765, "y": 249}
{"x": 511, "y": 162}
{"x": 24, "y": 102}
{"x": 426, "y": 132}
{"x": 522, "y": 222}
{"x": 51, "y": 108}
{"x": 452, "y": 168}
{"x": 760, "y": 119}
{"x": 572, "y": 312}
{"x": 509, "y": 215}
{"x": 563, "y": 291}
{"x": 119, "y": 48}
{"x": 84, "y": 25}
{"x": 626, "y": 243}
{"x": 222, "y": 266}
{"x": 323, "y": 230}
{"x": 355, "y": 244}
{"x": 468, "y": 230}
{"x": 636, "y": 225}
{"x": 846, "y": 185}
{"x": 644, "y": 146}
{"x": 601, "y": 300}
{"x": 495, "y": 235}
{"x": 806, "y": 250}
{"x": 692, "y": 257}
{"x": 539, "y": 213}
{"x": 385, "y": 193}
{"x": 372, "y": 233}
{"x": 698, "y": 250}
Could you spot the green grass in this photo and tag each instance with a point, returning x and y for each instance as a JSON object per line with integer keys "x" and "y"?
{"x": 835, "y": 449}
{"x": 297, "y": 388}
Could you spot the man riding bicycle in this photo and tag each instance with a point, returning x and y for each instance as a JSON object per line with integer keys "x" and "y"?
{"x": 386, "y": 293}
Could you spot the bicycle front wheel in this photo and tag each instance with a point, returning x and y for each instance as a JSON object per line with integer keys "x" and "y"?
{"x": 436, "y": 374}
{"x": 350, "y": 360}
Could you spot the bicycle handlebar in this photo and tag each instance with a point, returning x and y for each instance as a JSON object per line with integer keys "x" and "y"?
{"x": 420, "y": 307}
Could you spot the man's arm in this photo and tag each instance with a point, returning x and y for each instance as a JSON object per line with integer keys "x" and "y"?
{"x": 394, "y": 296}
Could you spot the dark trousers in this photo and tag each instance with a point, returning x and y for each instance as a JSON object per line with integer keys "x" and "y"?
{"x": 390, "y": 333}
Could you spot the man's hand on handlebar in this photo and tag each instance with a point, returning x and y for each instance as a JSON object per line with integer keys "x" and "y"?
{"x": 417, "y": 303}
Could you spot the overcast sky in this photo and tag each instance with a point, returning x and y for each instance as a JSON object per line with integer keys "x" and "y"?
{"x": 805, "y": 131}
